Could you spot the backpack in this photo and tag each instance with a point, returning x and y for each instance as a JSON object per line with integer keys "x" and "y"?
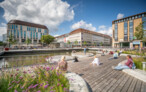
{"x": 133, "y": 66}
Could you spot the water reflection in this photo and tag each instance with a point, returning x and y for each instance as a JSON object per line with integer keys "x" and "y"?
{"x": 25, "y": 60}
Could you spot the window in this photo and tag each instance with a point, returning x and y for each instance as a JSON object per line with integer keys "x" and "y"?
{"x": 12, "y": 26}
{"x": 130, "y": 30}
{"x": 124, "y": 19}
{"x": 31, "y": 35}
{"x": 125, "y": 31}
{"x": 17, "y": 33}
{"x": 135, "y": 17}
{"x": 28, "y": 34}
{"x": 21, "y": 34}
{"x": 142, "y": 15}
{"x": 116, "y": 32}
{"x": 24, "y": 34}
{"x": 132, "y": 17}
{"x": 139, "y": 16}
{"x": 144, "y": 23}
{"x": 36, "y": 35}
{"x": 14, "y": 33}
{"x": 21, "y": 27}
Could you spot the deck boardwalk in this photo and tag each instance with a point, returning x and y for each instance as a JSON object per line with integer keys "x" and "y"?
{"x": 103, "y": 78}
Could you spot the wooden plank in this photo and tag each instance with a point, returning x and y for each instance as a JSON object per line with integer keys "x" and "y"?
{"x": 117, "y": 83}
{"x": 138, "y": 86}
{"x": 143, "y": 87}
{"x": 132, "y": 86}
{"x": 103, "y": 81}
{"x": 119, "y": 87}
{"x": 113, "y": 81}
{"x": 127, "y": 84}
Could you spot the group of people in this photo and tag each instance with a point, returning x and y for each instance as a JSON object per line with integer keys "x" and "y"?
{"x": 62, "y": 65}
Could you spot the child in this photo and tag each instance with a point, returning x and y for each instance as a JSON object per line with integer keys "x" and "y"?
{"x": 95, "y": 61}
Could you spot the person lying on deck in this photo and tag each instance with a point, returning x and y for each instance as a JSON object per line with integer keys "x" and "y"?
{"x": 127, "y": 65}
{"x": 95, "y": 61}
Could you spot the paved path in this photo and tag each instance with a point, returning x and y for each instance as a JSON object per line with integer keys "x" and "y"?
{"x": 104, "y": 79}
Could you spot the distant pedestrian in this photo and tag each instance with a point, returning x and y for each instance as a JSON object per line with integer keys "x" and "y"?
{"x": 85, "y": 50}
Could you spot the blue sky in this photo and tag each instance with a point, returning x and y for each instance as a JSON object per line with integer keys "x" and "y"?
{"x": 95, "y": 15}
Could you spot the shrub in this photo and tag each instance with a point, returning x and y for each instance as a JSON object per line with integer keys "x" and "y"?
{"x": 138, "y": 62}
{"x": 38, "y": 79}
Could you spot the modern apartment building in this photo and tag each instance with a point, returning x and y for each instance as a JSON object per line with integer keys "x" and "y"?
{"x": 80, "y": 36}
{"x": 21, "y": 31}
{"x": 124, "y": 30}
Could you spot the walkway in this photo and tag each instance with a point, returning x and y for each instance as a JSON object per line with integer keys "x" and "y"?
{"x": 104, "y": 79}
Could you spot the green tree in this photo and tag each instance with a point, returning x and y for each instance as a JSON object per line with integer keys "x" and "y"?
{"x": 2, "y": 43}
{"x": 47, "y": 39}
{"x": 84, "y": 43}
{"x": 28, "y": 41}
{"x": 76, "y": 42}
{"x": 139, "y": 32}
{"x": 11, "y": 40}
{"x": 94, "y": 43}
{"x": 68, "y": 42}
{"x": 101, "y": 43}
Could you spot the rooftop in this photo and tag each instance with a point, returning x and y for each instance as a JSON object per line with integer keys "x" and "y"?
{"x": 84, "y": 31}
{"x": 19, "y": 22}
{"x": 129, "y": 17}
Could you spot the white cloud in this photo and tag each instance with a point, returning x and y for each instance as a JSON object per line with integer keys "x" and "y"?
{"x": 3, "y": 24}
{"x": 105, "y": 30}
{"x": 120, "y": 15}
{"x": 83, "y": 24}
{"x": 56, "y": 35}
{"x": 49, "y": 12}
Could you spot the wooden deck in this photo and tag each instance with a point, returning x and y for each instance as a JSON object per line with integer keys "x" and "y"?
{"x": 103, "y": 78}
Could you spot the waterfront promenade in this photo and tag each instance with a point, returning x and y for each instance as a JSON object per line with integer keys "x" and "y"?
{"x": 103, "y": 78}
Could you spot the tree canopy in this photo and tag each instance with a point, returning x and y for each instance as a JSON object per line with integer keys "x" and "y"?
{"x": 47, "y": 39}
{"x": 139, "y": 32}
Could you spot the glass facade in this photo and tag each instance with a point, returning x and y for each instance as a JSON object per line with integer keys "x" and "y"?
{"x": 144, "y": 25}
{"x": 116, "y": 32}
{"x": 24, "y": 34}
{"x": 17, "y": 33}
{"x": 28, "y": 34}
{"x": 21, "y": 34}
{"x": 125, "y": 31}
{"x": 131, "y": 30}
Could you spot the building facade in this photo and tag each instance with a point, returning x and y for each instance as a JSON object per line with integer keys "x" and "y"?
{"x": 21, "y": 31}
{"x": 5, "y": 38}
{"x": 124, "y": 31}
{"x": 81, "y": 37}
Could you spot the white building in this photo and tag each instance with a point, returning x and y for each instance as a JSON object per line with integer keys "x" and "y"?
{"x": 4, "y": 37}
{"x": 82, "y": 37}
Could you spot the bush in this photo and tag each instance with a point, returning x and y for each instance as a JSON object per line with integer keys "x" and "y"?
{"x": 138, "y": 62}
{"x": 38, "y": 79}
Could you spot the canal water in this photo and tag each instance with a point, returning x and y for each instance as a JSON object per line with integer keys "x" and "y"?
{"x": 29, "y": 59}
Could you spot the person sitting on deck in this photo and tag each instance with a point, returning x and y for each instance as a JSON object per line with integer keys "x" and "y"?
{"x": 127, "y": 65}
{"x": 115, "y": 56}
{"x": 62, "y": 65}
{"x": 95, "y": 61}
{"x": 111, "y": 53}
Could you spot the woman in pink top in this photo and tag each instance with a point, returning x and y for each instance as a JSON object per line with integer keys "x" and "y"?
{"x": 127, "y": 65}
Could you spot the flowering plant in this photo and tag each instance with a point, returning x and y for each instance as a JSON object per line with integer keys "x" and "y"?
{"x": 35, "y": 79}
